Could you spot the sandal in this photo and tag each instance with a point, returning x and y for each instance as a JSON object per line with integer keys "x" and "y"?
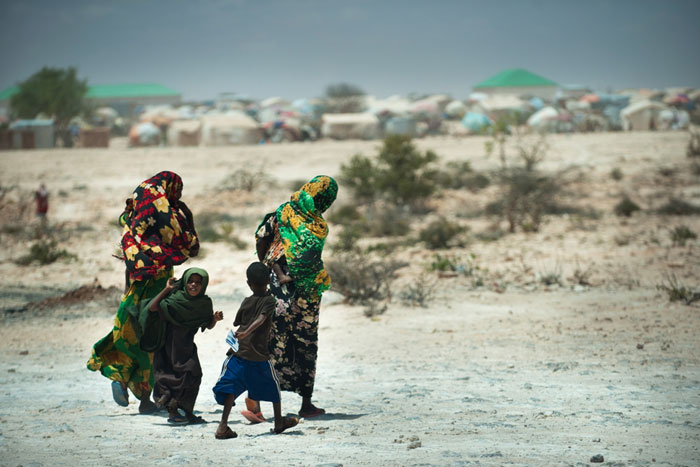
{"x": 119, "y": 394}
{"x": 178, "y": 420}
{"x": 196, "y": 421}
{"x": 313, "y": 412}
{"x": 228, "y": 434}
{"x": 287, "y": 422}
{"x": 253, "y": 417}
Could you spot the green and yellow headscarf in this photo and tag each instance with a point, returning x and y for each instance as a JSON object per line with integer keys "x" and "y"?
{"x": 303, "y": 231}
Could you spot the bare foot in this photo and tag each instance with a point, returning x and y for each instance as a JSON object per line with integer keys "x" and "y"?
{"x": 287, "y": 422}
{"x": 309, "y": 411}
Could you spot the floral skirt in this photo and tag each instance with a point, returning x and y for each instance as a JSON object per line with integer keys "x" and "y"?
{"x": 294, "y": 343}
{"x": 118, "y": 355}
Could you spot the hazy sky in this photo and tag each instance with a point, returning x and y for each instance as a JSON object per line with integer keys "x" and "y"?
{"x": 295, "y": 48}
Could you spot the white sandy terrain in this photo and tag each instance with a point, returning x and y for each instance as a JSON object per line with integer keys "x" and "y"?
{"x": 511, "y": 372}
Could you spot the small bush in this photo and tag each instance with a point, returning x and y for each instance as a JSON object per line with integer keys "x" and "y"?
{"x": 363, "y": 281}
{"x": 460, "y": 175}
{"x": 678, "y": 292}
{"x": 419, "y": 292}
{"x": 681, "y": 234}
{"x": 443, "y": 264}
{"x": 552, "y": 277}
{"x": 43, "y": 252}
{"x": 693, "y": 148}
{"x": 345, "y": 214}
{"x": 616, "y": 174}
{"x": 347, "y": 238}
{"x": 400, "y": 174}
{"x": 440, "y": 234}
{"x": 626, "y": 207}
{"x": 525, "y": 195}
{"x": 678, "y": 207}
{"x": 247, "y": 180}
{"x": 389, "y": 222}
{"x": 210, "y": 228}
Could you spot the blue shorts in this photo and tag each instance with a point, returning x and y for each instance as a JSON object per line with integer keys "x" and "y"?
{"x": 239, "y": 375}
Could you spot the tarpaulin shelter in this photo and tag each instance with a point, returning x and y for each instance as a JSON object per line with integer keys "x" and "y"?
{"x": 41, "y": 131}
{"x": 456, "y": 109}
{"x": 543, "y": 118}
{"x": 641, "y": 115}
{"x": 230, "y": 129}
{"x": 350, "y": 126}
{"x": 144, "y": 134}
{"x": 475, "y": 121}
{"x": 184, "y": 133}
{"x": 401, "y": 126}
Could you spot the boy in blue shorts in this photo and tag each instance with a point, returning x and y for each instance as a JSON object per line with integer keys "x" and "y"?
{"x": 249, "y": 368}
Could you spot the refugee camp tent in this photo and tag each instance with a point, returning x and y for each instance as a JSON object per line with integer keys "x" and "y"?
{"x": 456, "y": 109}
{"x": 184, "y": 133}
{"x": 393, "y": 105}
{"x": 350, "y": 126}
{"x": 475, "y": 122}
{"x": 519, "y": 82}
{"x": 641, "y": 115}
{"x": 230, "y": 129}
{"x": 144, "y": 134}
{"x": 30, "y": 134}
{"x": 500, "y": 104}
{"x": 401, "y": 126}
{"x": 544, "y": 118}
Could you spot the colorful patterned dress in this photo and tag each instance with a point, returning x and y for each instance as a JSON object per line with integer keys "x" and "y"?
{"x": 297, "y": 229}
{"x": 156, "y": 237}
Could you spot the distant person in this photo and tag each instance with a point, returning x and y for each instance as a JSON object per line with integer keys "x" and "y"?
{"x": 248, "y": 367}
{"x": 292, "y": 237}
{"x": 158, "y": 234}
{"x": 41, "y": 196}
{"x": 169, "y": 324}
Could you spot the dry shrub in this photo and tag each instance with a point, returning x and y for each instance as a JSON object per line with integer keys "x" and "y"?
{"x": 362, "y": 280}
{"x": 676, "y": 291}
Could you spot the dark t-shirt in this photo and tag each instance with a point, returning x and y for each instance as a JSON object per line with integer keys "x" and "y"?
{"x": 255, "y": 346}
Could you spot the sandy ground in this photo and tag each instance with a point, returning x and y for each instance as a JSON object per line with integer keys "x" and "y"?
{"x": 511, "y": 372}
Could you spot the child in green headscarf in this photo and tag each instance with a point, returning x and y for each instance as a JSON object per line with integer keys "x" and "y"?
{"x": 169, "y": 323}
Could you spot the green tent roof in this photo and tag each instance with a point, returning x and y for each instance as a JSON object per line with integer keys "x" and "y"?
{"x": 129, "y": 90}
{"x": 112, "y": 91}
{"x": 516, "y": 77}
{"x": 8, "y": 92}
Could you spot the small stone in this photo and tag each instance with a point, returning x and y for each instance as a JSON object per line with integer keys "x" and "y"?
{"x": 640, "y": 346}
{"x": 24, "y": 352}
{"x": 598, "y": 458}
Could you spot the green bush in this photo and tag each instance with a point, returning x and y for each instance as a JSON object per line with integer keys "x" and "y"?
{"x": 400, "y": 174}
{"x": 681, "y": 234}
{"x": 678, "y": 207}
{"x": 419, "y": 292}
{"x": 388, "y": 222}
{"x": 676, "y": 291}
{"x": 43, "y": 252}
{"x": 626, "y": 207}
{"x": 440, "y": 233}
{"x": 345, "y": 214}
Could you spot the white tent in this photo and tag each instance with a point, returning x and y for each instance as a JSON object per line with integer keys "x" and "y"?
{"x": 350, "y": 126}
{"x": 184, "y": 133}
{"x": 501, "y": 102}
{"x": 229, "y": 129}
{"x": 396, "y": 105}
{"x": 456, "y": 109}
{"x": 543, "y": 117}
{"x": 641, "y": 115}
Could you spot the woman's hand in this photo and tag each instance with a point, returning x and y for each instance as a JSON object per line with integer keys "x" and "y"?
{"x": 218, "y": 316}
{"x": 186, "y": 211}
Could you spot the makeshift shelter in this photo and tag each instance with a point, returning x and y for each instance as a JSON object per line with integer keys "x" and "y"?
{"x": 641, "y": 115}
{"x": 456, "y": 109}
{"x": 144, "y": 134}
{"x": 544, "y": 118}
{"x": 498, "y": 105}
{"x": 230, "y": 129}
{"x": 350, "y": 126}
{"x": 519, "y": 82}
{"x": 184, "y": 133}
{"x": 393, "y": 105}
{"x": 32, "y": 134}
{"x": 93, "y": 137}
{"x": 475, "y": 122}
{"x": 401, "y": 126}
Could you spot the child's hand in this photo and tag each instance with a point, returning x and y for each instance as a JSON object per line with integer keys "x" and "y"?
{"x": 218, "y": 316}
{"x": 240, "y": 335}
{"x": 171, "y": 284}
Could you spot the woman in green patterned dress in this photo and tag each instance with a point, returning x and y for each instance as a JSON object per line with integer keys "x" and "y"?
{"x": 292, "y": 239}
{"x": 158, "y": 234}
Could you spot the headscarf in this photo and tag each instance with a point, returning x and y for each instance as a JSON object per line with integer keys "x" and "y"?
{"x": 303, "y": 231}
{"x": 179, "y": 308}
{"x": 156, "y": 235}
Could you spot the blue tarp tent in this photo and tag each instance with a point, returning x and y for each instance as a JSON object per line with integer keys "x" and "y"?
{"x": 475, "y": 121}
